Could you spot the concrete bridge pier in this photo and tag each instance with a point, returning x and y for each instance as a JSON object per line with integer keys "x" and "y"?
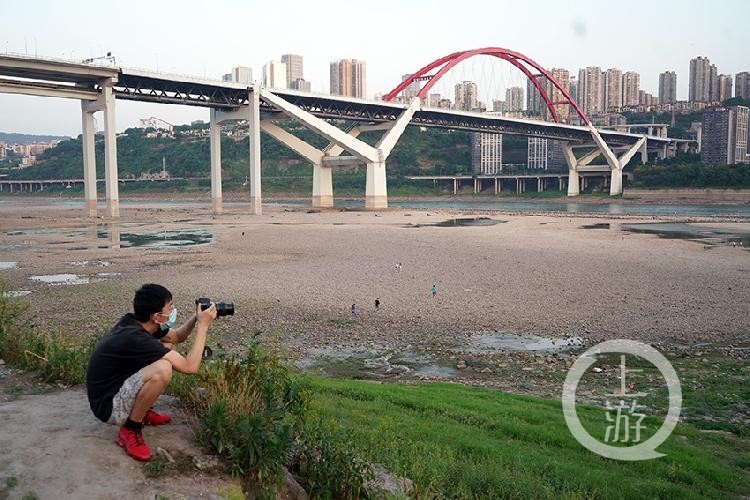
{"x": 376, "y": 191}
{"x": 574, "y": 185}
{"x": 251, "y": 113}
{"x": 215, "y": 143}
{"x": 322, "y": 195}
{"x": 105, "y": 103}
{"x": 254, "y": 125}
{"x": 89, "y": 159}
{"x": 617, "y": 164}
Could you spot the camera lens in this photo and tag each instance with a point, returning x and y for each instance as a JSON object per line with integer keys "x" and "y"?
{"x": 225, "y": 309}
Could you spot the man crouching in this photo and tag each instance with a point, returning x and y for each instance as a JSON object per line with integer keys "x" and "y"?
{"x": 132, "y": 364}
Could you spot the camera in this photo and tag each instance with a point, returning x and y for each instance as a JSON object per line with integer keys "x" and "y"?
{"x": 222, "y": 308}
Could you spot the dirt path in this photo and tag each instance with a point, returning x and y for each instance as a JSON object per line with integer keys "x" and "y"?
{"x": 53, "y": 447}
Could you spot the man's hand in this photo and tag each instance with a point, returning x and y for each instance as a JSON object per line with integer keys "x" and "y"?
{"x": 205, "y": 317}
{"x": 190, "y": 363}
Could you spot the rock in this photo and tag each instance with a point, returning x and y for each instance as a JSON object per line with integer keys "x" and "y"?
{"x": 2, "y": 362}
{"x": 596, "y": 369}
{"x": 162, "y": 451}
{"x": 461, "y": 364}
{"x": 486, "y": 370}
{"x": 291, "y": 489}
{"x": 205, "y": 462}
{"x": 387, "y": 484}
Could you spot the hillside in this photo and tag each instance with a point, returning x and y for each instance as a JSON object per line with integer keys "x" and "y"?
{"x": 10, "y": 138}
{"x": 419, "y": 151}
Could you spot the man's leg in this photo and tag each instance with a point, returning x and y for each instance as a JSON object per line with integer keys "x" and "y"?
{"x": 156, "y": 377}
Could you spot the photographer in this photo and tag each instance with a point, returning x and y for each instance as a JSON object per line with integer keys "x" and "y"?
{"x": 132, "y": 364}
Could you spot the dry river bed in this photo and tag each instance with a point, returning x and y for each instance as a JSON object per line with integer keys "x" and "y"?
{"x": 517, "y": 296}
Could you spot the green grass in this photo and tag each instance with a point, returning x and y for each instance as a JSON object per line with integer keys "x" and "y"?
{"x": 460, "y": 442}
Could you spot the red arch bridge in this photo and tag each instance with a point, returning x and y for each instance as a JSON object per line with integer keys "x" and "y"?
{"x": 98, "y": 87}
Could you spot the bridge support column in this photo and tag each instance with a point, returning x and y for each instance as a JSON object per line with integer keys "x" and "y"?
{"x": 376, "y": 191}
{"x": 574, "y": 185}
{"x": 617, "y": 164}
{"x": 254, "y": 132}
{"x": 110, "y": 151}
{"x": 105, "y": 103}
{"x": 215, "y": 143}
{"x": 88, "y": 137}
{"x": 495, "y": 186}
{"x": 322, "y": 195}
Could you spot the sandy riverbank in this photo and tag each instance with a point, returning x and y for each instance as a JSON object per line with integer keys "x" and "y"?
{"x": 294, "y": 275}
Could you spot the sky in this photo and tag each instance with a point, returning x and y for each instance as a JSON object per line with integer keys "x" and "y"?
{"x": 393, "y": 37}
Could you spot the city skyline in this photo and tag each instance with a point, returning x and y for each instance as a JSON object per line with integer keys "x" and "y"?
{"x": 582, "y": 27}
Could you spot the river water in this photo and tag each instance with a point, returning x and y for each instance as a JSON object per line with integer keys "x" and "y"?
{"x": 531, "y": 206}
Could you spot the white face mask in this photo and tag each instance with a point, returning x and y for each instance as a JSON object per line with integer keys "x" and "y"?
{"x": 171, "y": 320}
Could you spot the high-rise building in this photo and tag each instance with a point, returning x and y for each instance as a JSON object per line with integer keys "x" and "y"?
{"x": 242, "y": 74}
{"x": 433, "y": 100}
{"x": 700, "y": 80}
{"x": 544, "y": 154}
{"x": 499, "y": 106}
{"x": 348, "y": 78}
{"x": 226, "y": 77}
{"x": 742, "y": 85}
{"x": 590, "y": 90}
{"x": 725, "y": 88}
{"x": 466, "y": 96}
{"x": 724, "y": 135}
{"x": 631, "y": 84}
{"x": 713, "y": 89}
{"x": 294, "y": 69}
{"x": 301, "y": 84}
{"x": 667, "y": 87}
{"x": 486, "y": 153}
{"x": 411, "y": 91}
{"x": 535, "y": 105}
{"x": 514, "y": 99}
{"x": 613, "y": 90}
{"x": 274, "y": 75}
{"x": 563, "y": 77}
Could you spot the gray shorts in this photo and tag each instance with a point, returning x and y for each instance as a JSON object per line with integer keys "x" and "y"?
{"x": 123, "y": 401}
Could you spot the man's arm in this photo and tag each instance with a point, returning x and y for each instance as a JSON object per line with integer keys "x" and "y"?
{"x": 189, "y": 364}
{"x": 181, "y": 333}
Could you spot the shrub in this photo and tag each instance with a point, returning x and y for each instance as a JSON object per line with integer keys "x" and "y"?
{"x": 250, "y": 410}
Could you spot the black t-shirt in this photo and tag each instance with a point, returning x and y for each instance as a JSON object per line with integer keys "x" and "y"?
{"x": 119, "y": 354}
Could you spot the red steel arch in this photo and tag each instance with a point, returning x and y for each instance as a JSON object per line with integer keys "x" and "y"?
{"x": 517, "y": 59}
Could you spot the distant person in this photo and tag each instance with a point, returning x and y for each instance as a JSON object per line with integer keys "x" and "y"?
{"x": 133, "y": 363}
{"x": 377, "y": 305}
{"x": 398, "y": 267}
{"x": 354, "y": 309}
{"x": 434, "y": 290}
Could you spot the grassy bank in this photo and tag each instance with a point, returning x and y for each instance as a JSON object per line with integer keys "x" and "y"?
{"x": 461, "y": 442}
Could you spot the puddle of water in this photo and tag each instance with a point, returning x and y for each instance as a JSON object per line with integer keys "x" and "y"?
{"x": 16, "y": 293}
{"x": 113, "y": 237}
{"x": 488, "y": 342}
{"x": 436, "y": 371}
{"x": 72, "y": 279}
{"x": 8, "y": 265}
{"x": 598, "y": 225}
{"x": 161, "y": 239}
{"x": 462, "y": 222}
{"x": 687, "y": 231}
{"x": 84, "y": 263}
{"x": 61, "y": 279}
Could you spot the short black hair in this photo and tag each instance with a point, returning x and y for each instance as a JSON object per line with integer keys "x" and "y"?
{"x": 149, "y": 299}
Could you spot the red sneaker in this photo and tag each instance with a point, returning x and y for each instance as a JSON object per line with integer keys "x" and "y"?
{"x": 134, "y": 444}
{"x": 153, "y": 418}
